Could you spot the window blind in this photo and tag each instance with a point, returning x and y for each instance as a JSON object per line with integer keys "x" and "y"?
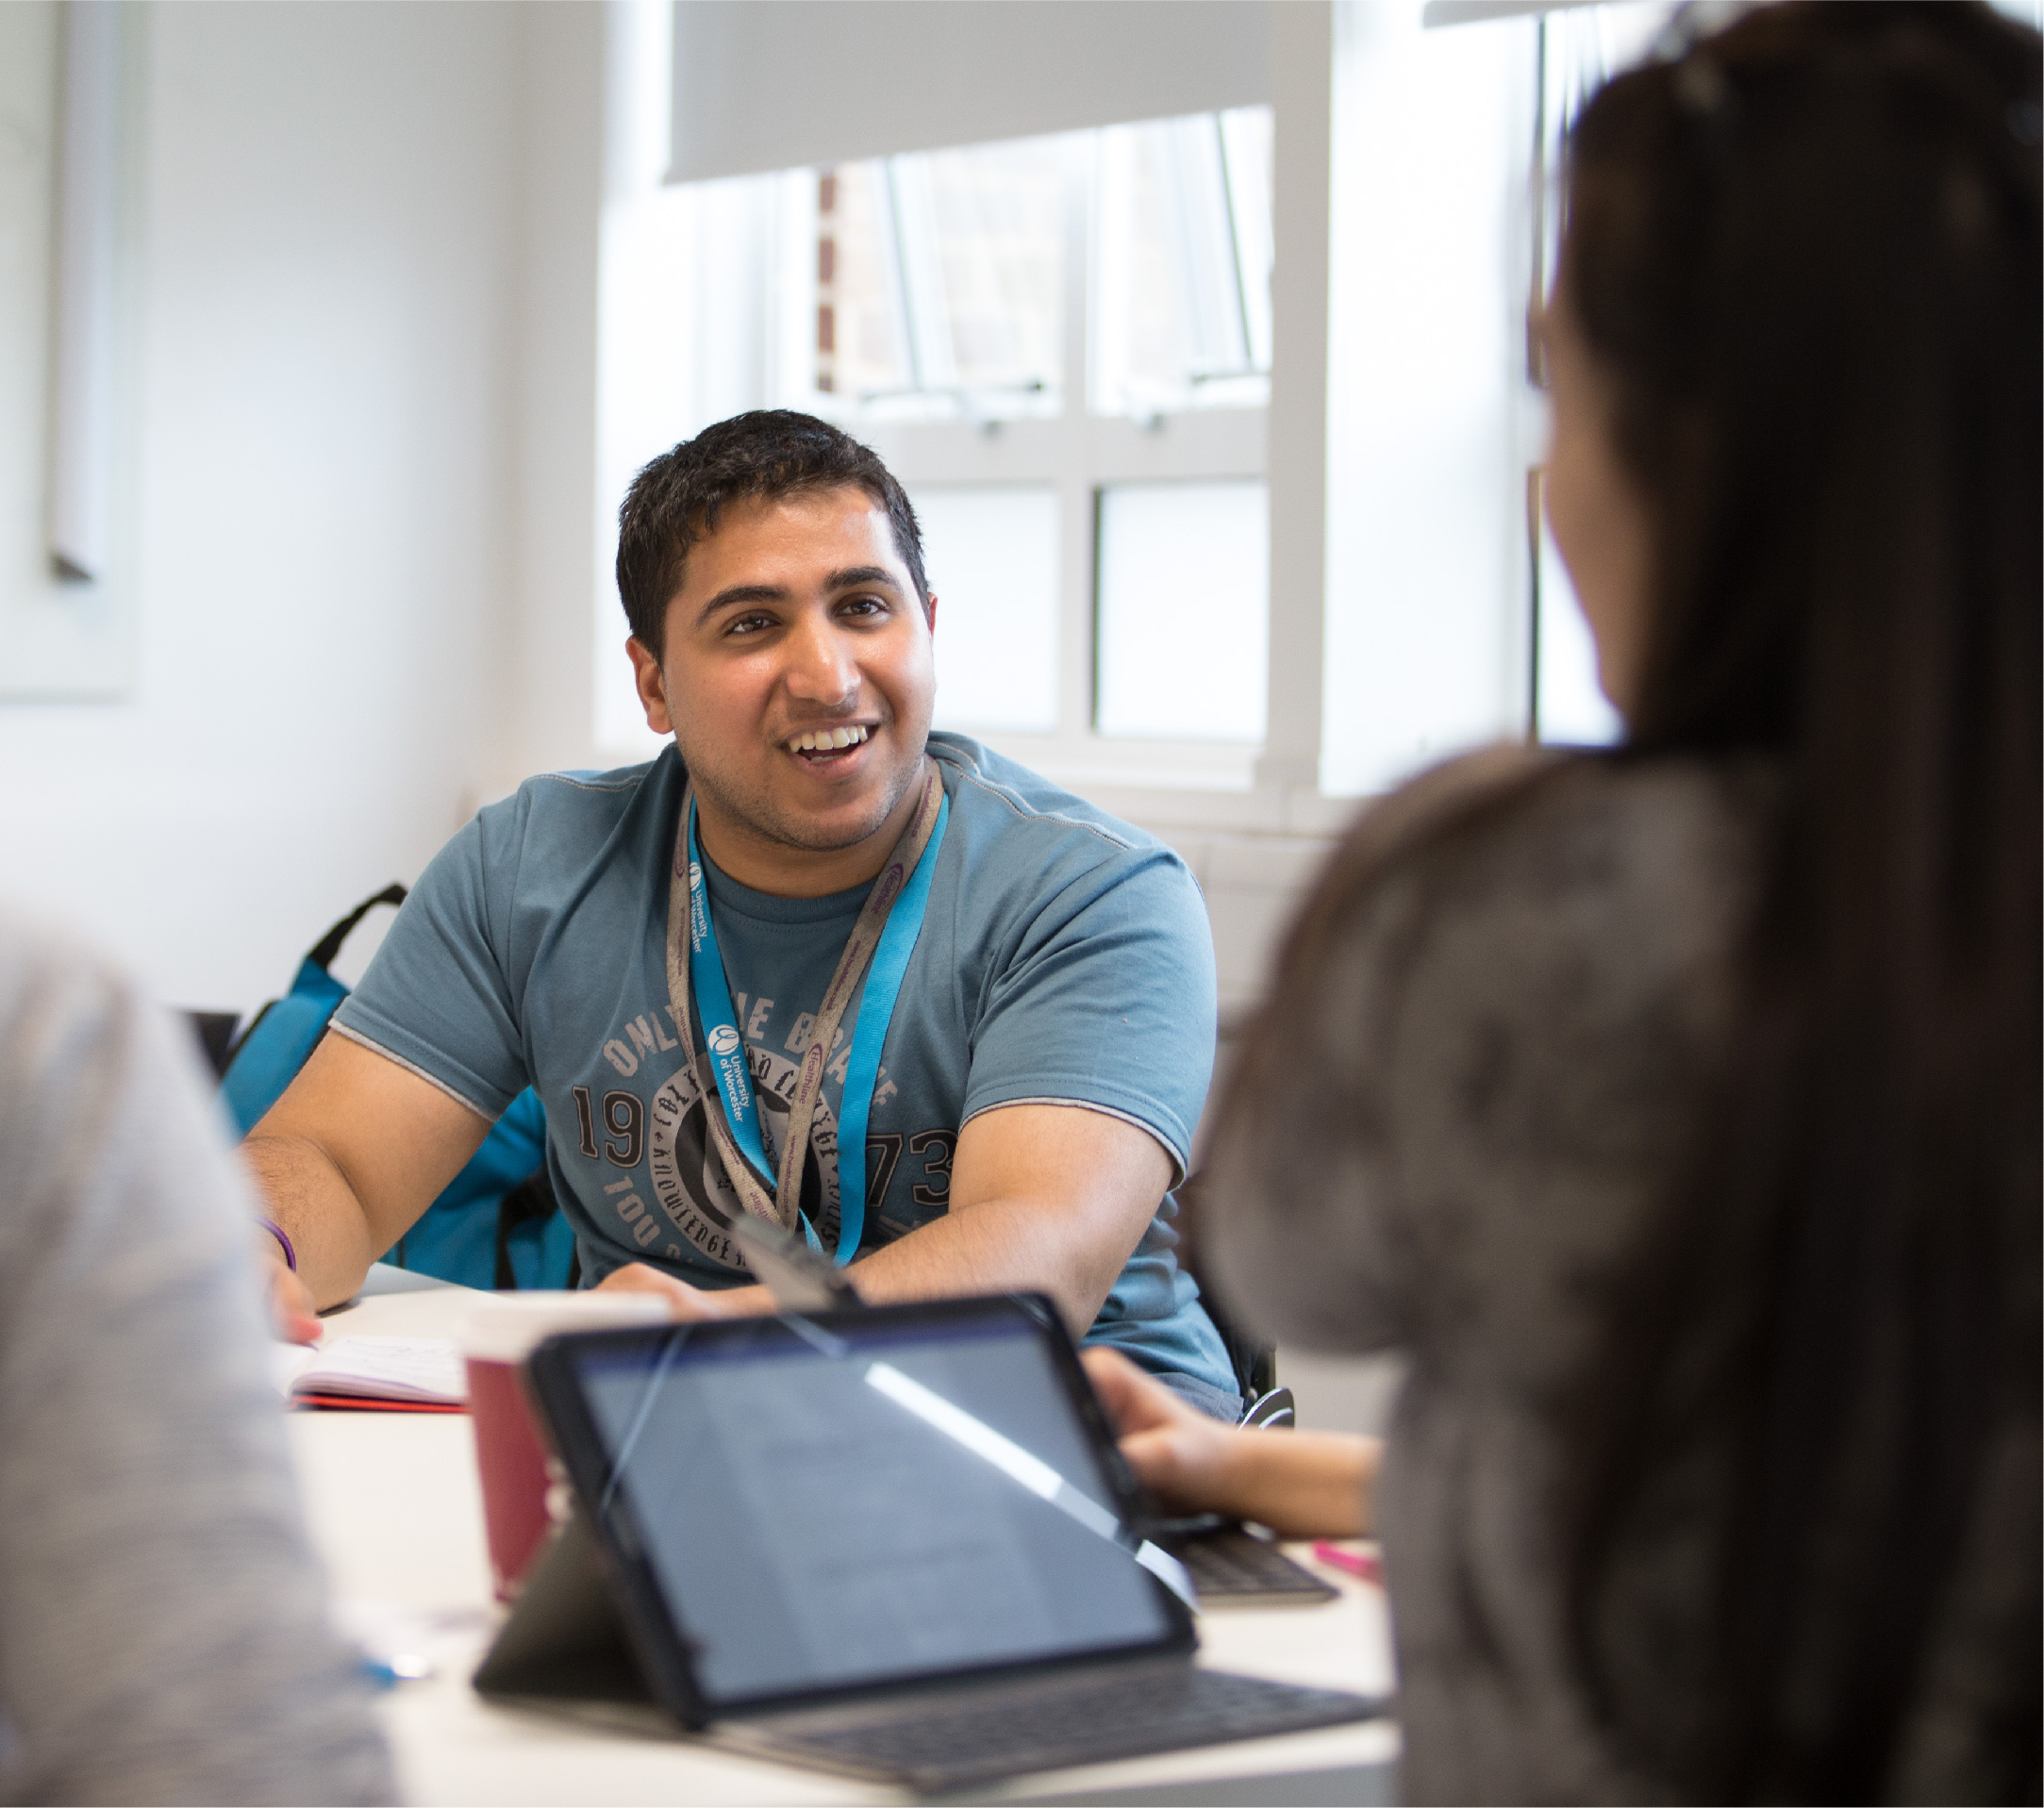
{"x": 797, "y": 82}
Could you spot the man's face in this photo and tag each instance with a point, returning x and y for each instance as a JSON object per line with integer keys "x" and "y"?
{"x": 797, "y": 677}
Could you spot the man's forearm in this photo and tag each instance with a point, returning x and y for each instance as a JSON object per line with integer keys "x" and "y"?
{"x": 1044, "y": 1199}
{"x": 305, "y": 1192}
{"x": 998, "y": 1245}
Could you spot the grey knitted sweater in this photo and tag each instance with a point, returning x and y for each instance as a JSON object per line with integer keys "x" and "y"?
{"x": 1490, "y": 1093}
{"x": 163, "y": 1635}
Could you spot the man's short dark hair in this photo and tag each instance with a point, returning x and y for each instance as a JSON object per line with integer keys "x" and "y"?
{"x": 675, "y": 502}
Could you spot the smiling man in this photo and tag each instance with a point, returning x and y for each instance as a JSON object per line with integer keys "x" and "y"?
{"x": 943, "y": 1020}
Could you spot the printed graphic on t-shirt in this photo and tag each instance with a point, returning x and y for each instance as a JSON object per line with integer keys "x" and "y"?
{"x": 664, "y": 1131}
{"x": 688, "y": 1180}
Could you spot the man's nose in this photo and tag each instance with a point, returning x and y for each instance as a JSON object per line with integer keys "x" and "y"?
{"x": 821, "y": 666}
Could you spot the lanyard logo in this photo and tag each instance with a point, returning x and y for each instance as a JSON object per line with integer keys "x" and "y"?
{"x": 698, "y": 907}
{"x": 724, "y": 1039}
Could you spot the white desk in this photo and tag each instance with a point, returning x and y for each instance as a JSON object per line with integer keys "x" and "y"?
{"x": 395, "y": 1512}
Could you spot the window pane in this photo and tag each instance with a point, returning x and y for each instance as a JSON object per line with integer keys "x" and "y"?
{"x": 1184, "y": 605}
{"x": 990, "y": 557}
{"x": 1573, "y": 709}
{"x": 999, "y": 213}
{"x": 1184, "y": 263}
{"x": 859, "y": 338}
{"x": 940, "y": 280}
{"x": 1245, "y": 135}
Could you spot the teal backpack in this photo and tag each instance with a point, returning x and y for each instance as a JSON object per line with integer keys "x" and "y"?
{"x": 497, "y": 1224}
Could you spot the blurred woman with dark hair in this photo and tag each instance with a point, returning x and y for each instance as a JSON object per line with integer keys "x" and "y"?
{"x": 1677, "y": 1107}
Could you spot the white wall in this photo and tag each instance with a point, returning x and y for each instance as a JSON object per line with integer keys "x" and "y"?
{"x": 340, "y": 548}
{"x": 560, "y": 551}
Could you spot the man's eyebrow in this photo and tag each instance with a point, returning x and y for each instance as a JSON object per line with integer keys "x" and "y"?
{"x": 855, "y": 575}
{"x": 738, "y": 593}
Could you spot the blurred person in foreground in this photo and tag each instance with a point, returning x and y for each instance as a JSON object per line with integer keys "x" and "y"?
{"x": 1677, "y": 1107}
{"x": 163, "y": 1633}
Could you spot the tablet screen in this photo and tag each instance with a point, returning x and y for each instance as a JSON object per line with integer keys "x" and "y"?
{"x": 865, "y": 1499}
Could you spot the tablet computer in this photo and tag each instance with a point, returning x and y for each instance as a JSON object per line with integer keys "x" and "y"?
{"x": 896, "y": 1541}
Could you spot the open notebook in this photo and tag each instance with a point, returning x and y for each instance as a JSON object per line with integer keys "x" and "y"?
{"x": 395, "y": 1374}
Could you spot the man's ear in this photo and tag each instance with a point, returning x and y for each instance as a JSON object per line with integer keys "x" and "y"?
{"x": 929, "y": 611}
{"x": 652, "y": 686}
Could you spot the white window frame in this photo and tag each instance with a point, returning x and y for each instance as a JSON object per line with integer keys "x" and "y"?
{"x": 1075, "y": 451}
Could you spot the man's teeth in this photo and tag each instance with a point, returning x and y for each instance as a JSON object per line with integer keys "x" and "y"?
{"x": 827, "y": 739}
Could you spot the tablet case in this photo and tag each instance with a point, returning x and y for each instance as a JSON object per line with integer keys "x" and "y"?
{"x": 565, "y": 1638}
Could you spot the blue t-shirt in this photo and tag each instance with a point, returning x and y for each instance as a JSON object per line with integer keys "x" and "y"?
{"x": 1064, "y": 959}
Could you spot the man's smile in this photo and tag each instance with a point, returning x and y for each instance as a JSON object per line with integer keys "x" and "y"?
{"x": 828, "y": 746}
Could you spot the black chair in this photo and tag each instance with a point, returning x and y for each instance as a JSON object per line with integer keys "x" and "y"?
{"x": 1264, "y": 1403}
{"x": 215, "y": 1031}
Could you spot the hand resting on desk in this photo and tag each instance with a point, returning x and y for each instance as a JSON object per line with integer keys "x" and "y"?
{"x": 687, "y": 1303}
{"x": 1302, "y": 1484}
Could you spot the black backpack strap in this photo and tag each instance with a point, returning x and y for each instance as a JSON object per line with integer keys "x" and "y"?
{"x": 530, "y": 1202}
{"x": 323, "y": 952}
{"x": 322, "y": 955}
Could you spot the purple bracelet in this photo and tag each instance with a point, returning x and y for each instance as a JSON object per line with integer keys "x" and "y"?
{"x": 277, "y": 1230}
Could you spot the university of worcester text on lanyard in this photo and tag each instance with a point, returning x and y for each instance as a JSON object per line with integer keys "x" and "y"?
{"x": 877, "y": 951}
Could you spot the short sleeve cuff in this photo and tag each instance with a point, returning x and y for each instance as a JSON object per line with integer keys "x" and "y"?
{"x": 487, "y": 1099}
{"x": 1132, "y": 1107}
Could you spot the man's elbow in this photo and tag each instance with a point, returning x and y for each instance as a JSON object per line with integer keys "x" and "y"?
{"x": 291, "y": 1170}
{"x": 308, "y": 1192}
{"x": 1086, "y": 1277}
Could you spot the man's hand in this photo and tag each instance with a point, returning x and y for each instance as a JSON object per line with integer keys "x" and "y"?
{"x": 1302, "y": 1484}
{"x": 291, "y": 1313}
{"x": 687, "y": 1303}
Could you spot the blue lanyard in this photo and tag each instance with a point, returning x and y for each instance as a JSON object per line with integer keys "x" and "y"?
{"x": 878, "y": 998}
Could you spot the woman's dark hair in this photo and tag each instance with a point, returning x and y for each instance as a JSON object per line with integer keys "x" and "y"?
{"x": 1806, "y": 255}
{"x": 676, "y": 500}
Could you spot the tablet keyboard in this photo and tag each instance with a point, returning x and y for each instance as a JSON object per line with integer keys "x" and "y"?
{"x": 1086, "y": 1719}
{"x": 1231, "y": 1565}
